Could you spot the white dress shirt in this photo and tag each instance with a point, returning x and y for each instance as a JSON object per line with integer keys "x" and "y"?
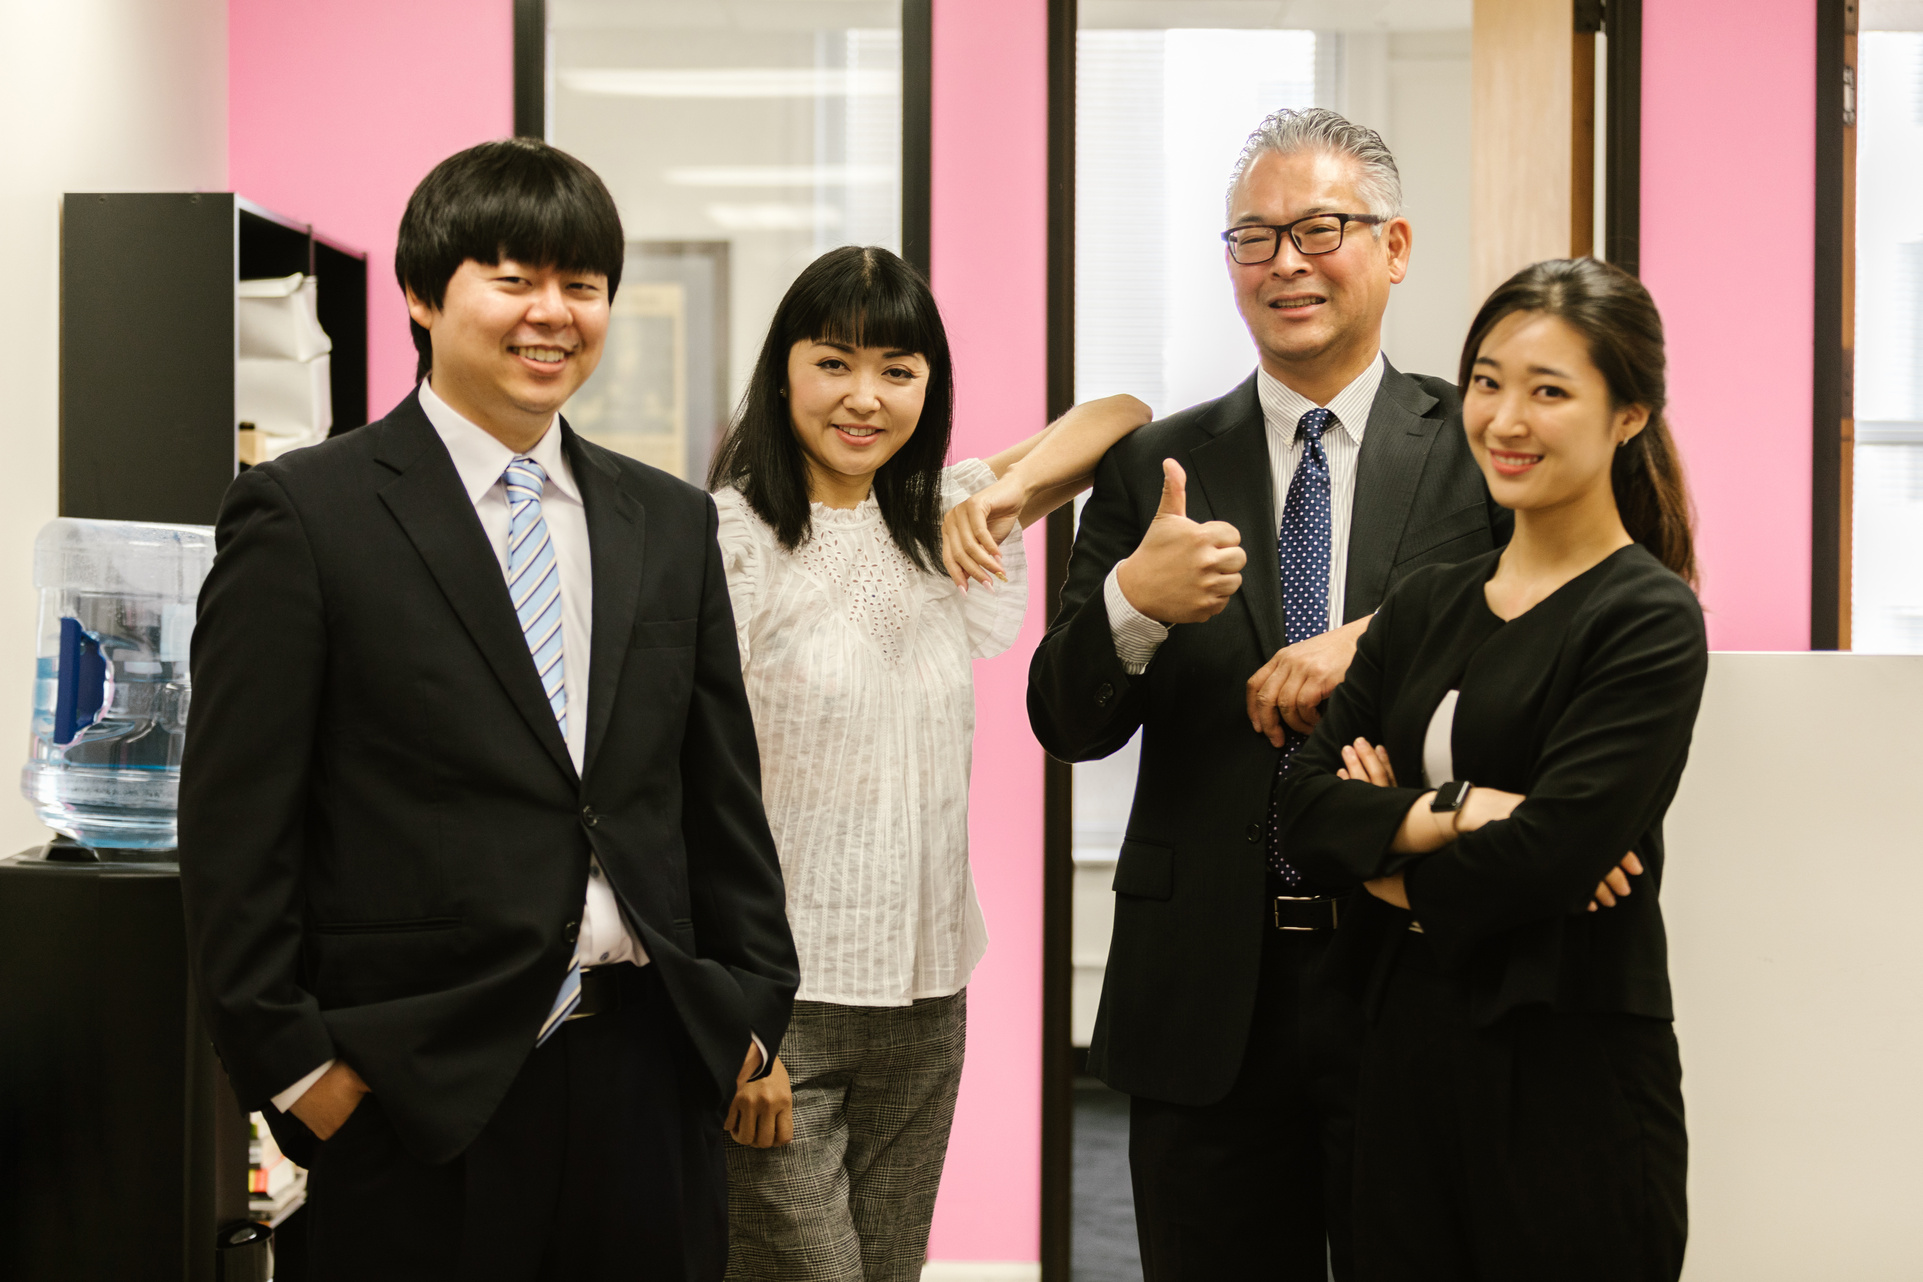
{"x": 857, "y": 666}
{"x": 1138, "y": 637}
{"x": 481, "y": 460}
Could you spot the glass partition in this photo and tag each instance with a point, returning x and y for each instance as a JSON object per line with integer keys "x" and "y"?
{"x": 1887, "y": 576}
{"x": 741, "y": 139}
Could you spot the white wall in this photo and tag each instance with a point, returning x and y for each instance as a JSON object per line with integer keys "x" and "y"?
{"x": 1413, "y": 88}
{"x": 1791, "y": 894}
{"x": 98, "y": 95}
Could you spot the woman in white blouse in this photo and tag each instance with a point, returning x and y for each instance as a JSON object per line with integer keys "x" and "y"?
{"x": 856, "y": 650}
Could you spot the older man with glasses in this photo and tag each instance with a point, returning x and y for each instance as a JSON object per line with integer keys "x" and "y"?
{"x": 1229, "y": 559}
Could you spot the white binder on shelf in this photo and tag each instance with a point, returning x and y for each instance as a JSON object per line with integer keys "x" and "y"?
{"x": 281, "y": 380}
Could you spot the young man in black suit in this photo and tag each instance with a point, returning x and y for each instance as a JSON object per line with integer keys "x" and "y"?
{"x": 475, "y": 866}
{"x": 1227, "y": 562}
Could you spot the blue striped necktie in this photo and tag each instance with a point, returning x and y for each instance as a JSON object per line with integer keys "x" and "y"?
{"x": 534, "y": 587}
{"x": 1302, "y": 554}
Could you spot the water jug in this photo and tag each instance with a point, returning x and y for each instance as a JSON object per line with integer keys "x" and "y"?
{"x": 111, "y": 685}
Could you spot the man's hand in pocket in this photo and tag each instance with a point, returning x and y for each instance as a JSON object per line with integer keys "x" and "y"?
{"x": 330, "y": 1101}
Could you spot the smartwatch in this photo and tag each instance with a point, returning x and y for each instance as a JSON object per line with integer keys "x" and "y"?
{"x": 1451, "y": 795}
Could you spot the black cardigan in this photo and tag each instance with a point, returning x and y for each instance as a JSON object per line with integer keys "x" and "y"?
{"x": 1584, "y": 704}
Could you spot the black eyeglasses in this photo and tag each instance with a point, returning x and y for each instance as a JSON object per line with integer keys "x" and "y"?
{"x": 1256, "y": 243}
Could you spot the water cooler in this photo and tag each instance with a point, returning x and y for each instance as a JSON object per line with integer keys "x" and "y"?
{"x": 123, "y": 1151}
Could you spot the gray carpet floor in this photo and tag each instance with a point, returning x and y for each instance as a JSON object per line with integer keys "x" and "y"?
{"x": 1103, "y": 1247}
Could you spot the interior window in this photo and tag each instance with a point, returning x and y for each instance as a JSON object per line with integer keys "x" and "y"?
{"x": 1887, "y": 576}
{"x": 740, "y": 140}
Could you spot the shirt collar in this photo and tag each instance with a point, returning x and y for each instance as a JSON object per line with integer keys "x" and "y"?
{"x": 1283, "y": 406}
{"x": 480, "y": 458}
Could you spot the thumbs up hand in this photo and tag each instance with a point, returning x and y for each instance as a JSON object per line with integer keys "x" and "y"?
{"x": 1175, "y": 491}
{"x": 1184, "y": 571}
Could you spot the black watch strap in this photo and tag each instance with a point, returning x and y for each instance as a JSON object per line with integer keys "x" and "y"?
{"x": 1451, "y": 795}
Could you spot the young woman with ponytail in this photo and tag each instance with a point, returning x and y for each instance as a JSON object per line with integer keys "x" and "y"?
{"x": 1520, "y": 1108}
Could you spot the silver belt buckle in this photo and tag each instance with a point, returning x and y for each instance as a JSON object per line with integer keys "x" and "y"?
{"x": 1275, "y": 910}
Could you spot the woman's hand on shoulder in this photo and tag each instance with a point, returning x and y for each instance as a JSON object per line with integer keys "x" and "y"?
{"x": 972, "y": 531}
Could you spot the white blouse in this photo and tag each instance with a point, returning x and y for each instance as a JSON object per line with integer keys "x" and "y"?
{"x": 857, "y": 668}
{"x": 1438, "y": 751}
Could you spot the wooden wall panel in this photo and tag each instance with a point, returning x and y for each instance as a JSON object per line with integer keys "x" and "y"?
{"x": 1534, "y": 120}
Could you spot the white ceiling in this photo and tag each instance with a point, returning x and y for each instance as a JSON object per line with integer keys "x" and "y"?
{"x": 723, "y": 15}
{"x": 1301, "y": 15}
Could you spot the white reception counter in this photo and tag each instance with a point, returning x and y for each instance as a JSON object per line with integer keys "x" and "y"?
{"x": 1794, "y": 900}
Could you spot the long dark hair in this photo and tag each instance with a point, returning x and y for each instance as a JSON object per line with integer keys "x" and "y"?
{"x": 864, "y": 297}
{"x": 1618, "y": 319}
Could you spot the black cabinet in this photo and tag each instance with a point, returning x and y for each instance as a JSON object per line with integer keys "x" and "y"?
{"x": 122, "y": 1148}
{"x": 147, "y": 344}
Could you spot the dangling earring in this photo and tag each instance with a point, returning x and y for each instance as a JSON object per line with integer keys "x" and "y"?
{"x": 784, "y": 393}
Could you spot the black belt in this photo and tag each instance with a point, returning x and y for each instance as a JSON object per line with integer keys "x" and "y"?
{"x": 1301, "y": 912}
{"x": 600, "y": 992}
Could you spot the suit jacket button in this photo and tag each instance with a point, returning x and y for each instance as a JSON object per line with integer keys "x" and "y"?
{"x": 1103, "y": 693}
{"x": 588, "y": 816}
{"x": 1253, "y": 832}
{"x": 572, "y": 931}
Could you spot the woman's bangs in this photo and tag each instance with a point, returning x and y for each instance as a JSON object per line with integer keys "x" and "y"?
{"x": 872, "y": 314}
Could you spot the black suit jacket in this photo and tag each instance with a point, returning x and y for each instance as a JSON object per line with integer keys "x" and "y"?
{"x": 1584, "y": 704}
{"x": 384, "y": 845}
{"x": 1190, "y": 897}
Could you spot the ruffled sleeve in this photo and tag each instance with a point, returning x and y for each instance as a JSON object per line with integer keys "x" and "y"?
{"x": 994, "y": 616}
{"x": 741, "y": 535}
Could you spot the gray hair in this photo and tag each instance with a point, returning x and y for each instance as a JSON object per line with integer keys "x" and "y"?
{"x": 1289, "y": 132}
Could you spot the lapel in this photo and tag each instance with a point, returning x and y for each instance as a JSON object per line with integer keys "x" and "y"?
{"x": 1232, "y": 470}
{"x": 428, "y": 500}
{"x": 1394, "y": 449}
{"x": 617, "y": 534}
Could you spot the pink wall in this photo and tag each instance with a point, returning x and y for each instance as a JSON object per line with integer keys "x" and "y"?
{"x": 335, "y": 111}
{"x": 1729, "y": 164}
{"x": 990, "y": 252}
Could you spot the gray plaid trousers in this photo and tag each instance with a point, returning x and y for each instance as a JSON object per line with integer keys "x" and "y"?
{"x": 851, "y": 1199}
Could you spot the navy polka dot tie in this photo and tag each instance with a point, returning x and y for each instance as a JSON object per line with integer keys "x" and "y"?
{"x": 1302, "y": 552}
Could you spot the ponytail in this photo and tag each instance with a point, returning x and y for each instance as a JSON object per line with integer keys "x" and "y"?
{"x": 1647, "y": 478}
